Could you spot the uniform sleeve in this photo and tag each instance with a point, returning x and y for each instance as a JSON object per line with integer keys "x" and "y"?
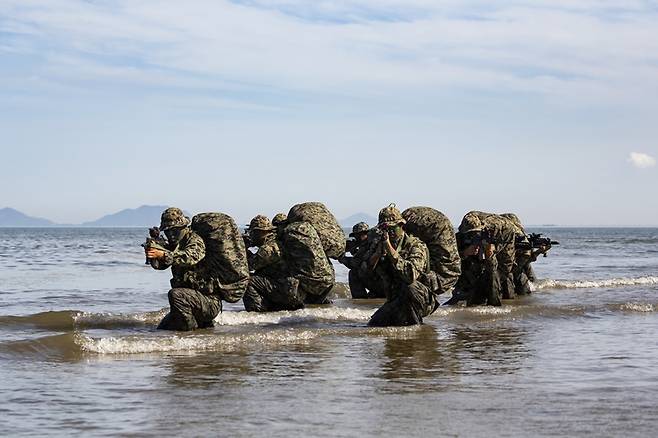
{"x": 187, "y": 255}
{"x": 412, "y": 265}
{"x": 265, "y": 256}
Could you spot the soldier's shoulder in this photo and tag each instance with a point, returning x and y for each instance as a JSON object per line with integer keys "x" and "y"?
{"x": 414, "y": 241}
{"x": 193, "y": 237}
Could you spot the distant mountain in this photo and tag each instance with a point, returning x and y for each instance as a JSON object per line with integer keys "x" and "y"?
{"x": 144, "y": 216}
{"x": 14, "y": 218}
{"x": 348, "y": 222}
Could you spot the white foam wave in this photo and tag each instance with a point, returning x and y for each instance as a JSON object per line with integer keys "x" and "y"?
{"x": 302, "y": 315}
{"x": 108, "y": 318}
{"x": 475, "y": 310}
{"x": 639, "y": 307}
{"x": 138, "y": 344}
{"x": 612, "y": 282}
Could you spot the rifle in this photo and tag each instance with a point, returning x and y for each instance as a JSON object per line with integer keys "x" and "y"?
{"x": 535, "y": 240}
{"x": 479, "y": 239}
{"x": 154, "y": 241}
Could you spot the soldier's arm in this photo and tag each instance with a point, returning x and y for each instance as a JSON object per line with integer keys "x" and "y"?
{"x": 265, "y": 256}
{"x": 410, "y": 267}
{"x": 163, "y": 262}
{"x": 187, "y": 255}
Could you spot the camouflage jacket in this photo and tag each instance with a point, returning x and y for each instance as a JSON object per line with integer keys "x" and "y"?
{"x": 411, "y": 264}
{"x": 359, "y": 255}
{"x": 267, "y": 261}
{"x": 184, "y": 261}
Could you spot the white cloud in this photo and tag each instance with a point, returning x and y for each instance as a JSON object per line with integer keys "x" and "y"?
{"x": 641, "y": 161}
{"x": 553, "y": 49}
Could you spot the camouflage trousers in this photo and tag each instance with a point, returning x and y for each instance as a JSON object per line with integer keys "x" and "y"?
{"x": 189, "y": 310}
{"x": 523, "y": 274}
{"x": 266, "y": 294}
{"x": 505, "y": 256}
{"x": 408, "y": 305}
{"x": 363, "y": 286}
{"x": 521, "y": 281}
{"x": 478, "y": 284}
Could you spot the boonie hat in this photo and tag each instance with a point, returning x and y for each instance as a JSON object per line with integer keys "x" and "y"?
{"x": 260, "y": 223}
{"x": 390, "y": 216}
{"x": 359, "y": 228}
{"x": 173, "y": 218}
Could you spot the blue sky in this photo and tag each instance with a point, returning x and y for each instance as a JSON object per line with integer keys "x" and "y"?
{"x": 250, "y": 106}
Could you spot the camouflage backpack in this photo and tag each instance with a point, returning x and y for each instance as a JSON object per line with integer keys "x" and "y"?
{"x": 303, "y": 253}
{"x": 318, "y": 215}
{"x": 435, "y": 230}
{"x": 226, "y": 257}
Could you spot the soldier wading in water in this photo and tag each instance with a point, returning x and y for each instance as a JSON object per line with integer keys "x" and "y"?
{"x": 189, "y": 307}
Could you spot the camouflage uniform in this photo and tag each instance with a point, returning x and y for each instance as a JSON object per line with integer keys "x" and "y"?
{"x": 191, "y": 305}
{"x": 479, "y": 282}
{"x": 408, "y": 299}
{"x": 359, "y": 276}
{"x": 296, "y": 275}
{"x": 522, "y": 270}
{"x": 505, "y": 232}
{"x": 270, "y": 287}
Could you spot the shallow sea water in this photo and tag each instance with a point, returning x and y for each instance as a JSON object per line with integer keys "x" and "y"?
{"x": 79, "y": 353}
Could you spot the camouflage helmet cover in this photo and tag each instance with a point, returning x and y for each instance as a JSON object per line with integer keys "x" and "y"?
{"x": 260, "y": 223}
{"x": 279, "y": 218}
{"x": 471, "y": 223}
{"x": 359, "y": 228}
{"x": 173, "y": 218}
{"x": 391, "y": 216}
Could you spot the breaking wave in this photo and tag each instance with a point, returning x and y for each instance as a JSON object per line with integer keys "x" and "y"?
{"x": 297, "y": 316}
{"x": 580, "y": 284}
{"x": 64, "y": 320}
{"x": 638, "y": 307}
{"x": 178, "y": 343}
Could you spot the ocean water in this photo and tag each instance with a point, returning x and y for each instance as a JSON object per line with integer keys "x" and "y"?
{"x": 79, "y": 353}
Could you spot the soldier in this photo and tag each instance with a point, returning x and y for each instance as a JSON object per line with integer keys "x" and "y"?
{"x": 359, "y": 275}
{"x": 505, "y": 233}
{"x": 400, "y": 262}
{"x": 190, "y": 307}
{"x": 270, "y": 287}
{"x": 522, "y": 271}
{"x": 261, "y": 235}
{"x": 479, "y": 282}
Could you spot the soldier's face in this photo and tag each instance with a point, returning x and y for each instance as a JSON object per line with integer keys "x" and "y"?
{"x": 258, "y": 237}
{"x": 362, "y": 237}
{"x": 174, "y": 235}
{"x": 395, "y": 232}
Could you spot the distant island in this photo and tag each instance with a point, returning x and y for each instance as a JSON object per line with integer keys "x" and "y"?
{"x": 14, "y": 218}
{"x": 144, "y": 216}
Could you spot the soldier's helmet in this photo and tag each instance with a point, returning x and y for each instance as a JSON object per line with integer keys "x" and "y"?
{"x": 391, "y": 216}
{"x": 173, "y": 218}
{"x": 260, "y": 223}
{"x": 279, "y": 219}
{"x": 359, "y": 228}
{"x": 471, "y": 223}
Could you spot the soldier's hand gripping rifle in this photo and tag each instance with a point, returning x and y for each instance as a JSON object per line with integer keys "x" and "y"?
{"x": 154, "y": 241}
{"x": 479, "y": 239}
